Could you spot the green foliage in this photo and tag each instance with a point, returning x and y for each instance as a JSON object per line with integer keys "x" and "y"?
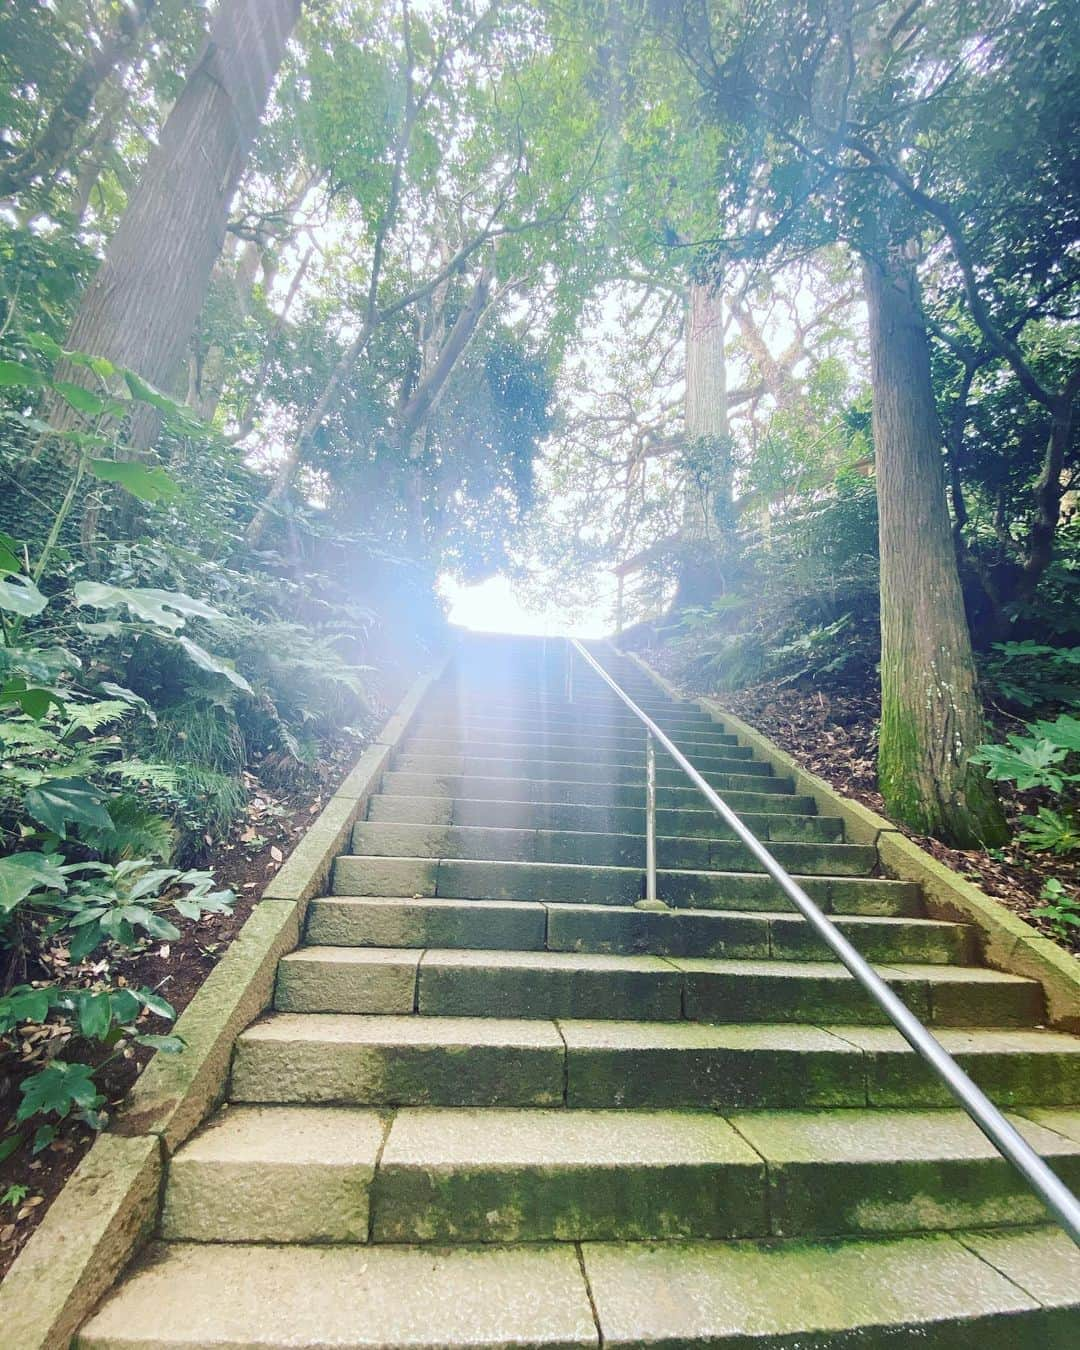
{"x": 1046, "y": 756}
{"x": 1031, "y": 674}
{"x": 1060, "y": 910}
{"x": 1050, "y": 831}
{"x": 1036, "y": 759}
{"x": 1027, "y": 761}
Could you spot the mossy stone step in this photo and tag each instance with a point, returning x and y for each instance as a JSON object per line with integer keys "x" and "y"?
{"x": 234, "y": 1297}
{"x": 544, "y": 984}
{"x": 389, "y": 839}
{"x": 719, "y": 758}
{"x": 375, "y": 1061}
{"x": 526, "y": 1176}
{"x": 589, "y": 768}
{"x": 571, "y": 883}
{"x": 706, "y": 824}
{"x": 771, "y": 795}
{"x": 383, "y": 921}
{"x": 1008, "y": 1290}
{"x": 884, "y": 1171}
{"x": 275, "y": 1174}
{"x": 772, "y": 1066}
{"x": 493, "y": 699}
{"x": 491, "y": 714}
{"x": 934, "y": 1291}
{"x": 517, "y": 734}
{"x": 474, "y": 1061}
{"x": 388, "y": 921}
{"x": 446, "y": 1174}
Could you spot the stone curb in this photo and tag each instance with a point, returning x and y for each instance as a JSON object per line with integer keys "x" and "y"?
{"x": 1005, "y": 941}
{"x": 110, "y": 1204}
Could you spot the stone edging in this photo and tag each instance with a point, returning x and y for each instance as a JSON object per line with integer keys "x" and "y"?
{"x": 109, "y": 1205}
{"x": 1006, "y": 942}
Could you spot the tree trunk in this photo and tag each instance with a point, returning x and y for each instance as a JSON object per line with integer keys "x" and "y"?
{"x": 931, "y": 717}
{"x": 439, "y": 361}
{"x": 40, "y": 162}
{"x": 141, "y": 308}
{"x": 708, "y": 491}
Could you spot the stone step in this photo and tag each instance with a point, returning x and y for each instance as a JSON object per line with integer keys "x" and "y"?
{"x": 275, "y": 1174}
{"x": 630, "y": 737}
{"x": 776, "y": 826}
{"x": 544, "y": 984}
{"x": 495, "y": 699}
{"x": 720, "y": 773}
{"x": 486, "y": 714}
{"x": 342, "y": 921}
{"x": 527, "y": 1176}
{"x": 1005, "y": 1290}
{"x": 884, "y": 1171}
{"x": 472, "y": 746}
{"x": 773, "y": 795}
{"x": 471, "y": 1061}
{"x": 387, "y": 839}
{"x": 571, "y": 883}
{"x": 233, "y": 1297}
{"x": 465, "y": 1174}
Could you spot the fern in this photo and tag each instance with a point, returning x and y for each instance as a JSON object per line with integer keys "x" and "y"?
{"x": 137, "y": 832}
{"x": 91, "y": 717}
{"x": 162, "y": 777}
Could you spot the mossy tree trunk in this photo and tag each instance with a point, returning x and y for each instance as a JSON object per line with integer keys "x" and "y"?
{"x": 931, "y": 716}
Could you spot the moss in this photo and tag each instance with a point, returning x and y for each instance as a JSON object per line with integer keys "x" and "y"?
{"x": 962, "y": 811}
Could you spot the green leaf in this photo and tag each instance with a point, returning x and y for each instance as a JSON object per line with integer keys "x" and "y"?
{"x": 43, "y": 1137}
{"x": 21, "y": 596}
{"x": 24, "y": 1004}
{"x": 149, "y": 484}
{"x": 213, "y": 664}
{"x": 174, "y": 413}
{"x": 32, "y": 699}
{"x": 14, "y": 375}
{"x": 100, "y": 365}
{"x": 22, "y": 873}
{"x": 168, "y": 1045}
{"x": 129, "y": 696}
{"x": 56, "y": 1089}
{"x": 59, "y": 802}
{"x": 43, "y": 343}
{"x": 9, "y": 1145}
{"x": 125, "y": 1005}
{"x": 95, "y": 1016}
{"x": 85, "y": 940}
{"x": 9, "y": 559}
{"x": 1065, "y": 731}
{"x": 155, "y": 1003}
{"x": 85, "y": 401}
{"x": 165, "y": 609}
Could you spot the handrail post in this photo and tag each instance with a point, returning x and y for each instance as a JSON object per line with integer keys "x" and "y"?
{"x": 569, "y": 688}
{"x": 650, "y": 818}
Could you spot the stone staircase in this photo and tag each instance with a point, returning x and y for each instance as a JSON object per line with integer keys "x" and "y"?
{"x": 497, "y": 1104}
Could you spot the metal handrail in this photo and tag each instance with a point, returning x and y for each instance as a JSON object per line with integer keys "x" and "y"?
{"x": 1006, "y": 1139}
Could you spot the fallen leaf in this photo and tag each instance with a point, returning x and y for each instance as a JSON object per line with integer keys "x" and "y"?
{"x": 276, "y": 853}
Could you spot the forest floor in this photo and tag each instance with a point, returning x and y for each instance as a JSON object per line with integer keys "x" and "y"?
{"x": 832, "y": 731}
{"x": 244, "y": 861}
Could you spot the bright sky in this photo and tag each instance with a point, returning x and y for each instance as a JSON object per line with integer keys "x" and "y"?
{"x": 492, "y": 607}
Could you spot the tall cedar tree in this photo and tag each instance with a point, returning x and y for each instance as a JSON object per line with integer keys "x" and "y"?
{"x": 931, "y": 716}
{"x": 142, "y": 306}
